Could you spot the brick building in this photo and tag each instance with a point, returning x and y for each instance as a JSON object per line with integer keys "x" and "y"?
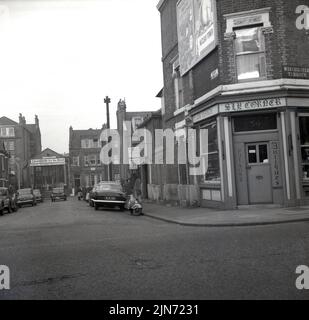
{"x": 240, "y": 70}
{"x": 22, "y": 142}
{"x": 4, "y": 166}
{"x": 129, "y": 121}
{"x": 86, "y": 168}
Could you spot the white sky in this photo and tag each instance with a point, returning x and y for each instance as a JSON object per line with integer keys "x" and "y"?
{"x": 59, "y": 59}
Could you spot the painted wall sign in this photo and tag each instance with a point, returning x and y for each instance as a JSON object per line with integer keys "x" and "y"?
{"x": 296, "y": 72}
{"x": 252, "y": 105}
{"x": 275, "y": 160}
{"x": 47, "y": 162}
{"x": 214, "y": 74}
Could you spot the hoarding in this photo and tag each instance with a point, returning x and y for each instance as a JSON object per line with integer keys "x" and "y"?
{"x": 197, "y": 31}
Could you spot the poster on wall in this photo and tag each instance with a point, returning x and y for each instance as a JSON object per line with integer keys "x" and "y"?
{"x": 196, "y": 22}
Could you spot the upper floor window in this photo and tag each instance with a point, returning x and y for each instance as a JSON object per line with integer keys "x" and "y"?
{"x": 250, "y": 54}
{"x": 75, "y": 161}
{"x": 90, "y": 143}
{"x": 178, "y": 84}
{"x": 7, "y": 132}
{"x": 9, "y": 145}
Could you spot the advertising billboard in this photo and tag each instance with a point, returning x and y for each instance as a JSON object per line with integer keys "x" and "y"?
{"x": 197, "y": 31}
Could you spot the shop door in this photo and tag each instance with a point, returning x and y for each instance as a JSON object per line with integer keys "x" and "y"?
{"x": 259, "y": 173}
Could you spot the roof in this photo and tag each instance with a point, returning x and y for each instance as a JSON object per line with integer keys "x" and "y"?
{"x": 4, "y": 121}
{"x": 155, "y": 114}
{"x": 32, "y": 128}
{"x": 77, "y": 135}
{"x": 48, "y": 153}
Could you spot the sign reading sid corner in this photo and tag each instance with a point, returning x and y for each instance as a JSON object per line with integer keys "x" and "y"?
{"x": 253, "y": 105}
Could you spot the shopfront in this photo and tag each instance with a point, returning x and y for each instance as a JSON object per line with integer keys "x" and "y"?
{"x": 258, "y": 152}
{"x": 49, "y": 170}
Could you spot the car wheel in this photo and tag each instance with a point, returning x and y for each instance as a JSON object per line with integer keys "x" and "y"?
{"x": 15, "y": 208}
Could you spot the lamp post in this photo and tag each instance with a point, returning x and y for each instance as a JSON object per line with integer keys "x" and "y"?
{"x": 16, "y": 161}
{"x": 107, "y": 101}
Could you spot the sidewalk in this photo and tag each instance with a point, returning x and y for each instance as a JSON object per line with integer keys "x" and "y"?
{"x": 245, "y": 216}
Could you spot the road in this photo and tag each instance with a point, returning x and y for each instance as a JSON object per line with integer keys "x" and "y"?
{"x": 66, "y": 250}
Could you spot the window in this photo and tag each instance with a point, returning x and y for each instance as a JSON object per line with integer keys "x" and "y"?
{"x": 213, "y": 172}
{"x": 93, "y": 160}
{"x": 255, "y": 123}
{"x": 257, "y": 153}
{"x": 86, "y": 161}
{"x": 7, "y": 132}
{"x": 9, "y": 145}
{"x": 178, "y": 85}
{"x": 304, "y": 141}
{"x": 75, "y": 161}
{"x": 250, "y": 54}
{"x": 90, "y": 143}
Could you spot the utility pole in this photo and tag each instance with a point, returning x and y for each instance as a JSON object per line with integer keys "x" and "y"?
{"x": 107, "y": 101}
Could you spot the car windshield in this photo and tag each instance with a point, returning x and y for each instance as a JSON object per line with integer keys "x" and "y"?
{"x": 58, "y": 190}
{"x": 24, "y": 191}
{"x": 3, "y": 192}
{"x": 109, "y": 187}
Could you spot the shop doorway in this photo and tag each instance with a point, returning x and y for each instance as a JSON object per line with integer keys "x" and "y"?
{"x": 259, "y": 173}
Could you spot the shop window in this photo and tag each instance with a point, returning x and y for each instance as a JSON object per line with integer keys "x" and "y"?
{"x": 250, "y": 54}
{"x": 255, "y": 123}
{"x": 213, "y": 172}
{"x": 304, "y": 141}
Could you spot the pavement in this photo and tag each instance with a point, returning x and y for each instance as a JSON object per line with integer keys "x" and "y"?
{"x": 67, "y": 250}
{"x": 243, "y": 216}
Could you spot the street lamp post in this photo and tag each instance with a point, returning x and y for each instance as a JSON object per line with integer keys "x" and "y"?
{"x": 107, "y": 101}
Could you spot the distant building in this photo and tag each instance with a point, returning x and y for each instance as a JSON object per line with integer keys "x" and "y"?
{"x": 22, "y": 141}
{"x": 125, "y": 119}
{"x": 49, "y": 169}
{"x": 4, "y": 166}
{"x": 84, "y": 151}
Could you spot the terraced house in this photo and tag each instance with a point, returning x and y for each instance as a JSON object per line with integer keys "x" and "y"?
{"x": 239, "y": 69}
{"x": 4, "y": 166}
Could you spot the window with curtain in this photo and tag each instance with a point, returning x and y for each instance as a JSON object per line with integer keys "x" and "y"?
{"x": 250, "y": 54}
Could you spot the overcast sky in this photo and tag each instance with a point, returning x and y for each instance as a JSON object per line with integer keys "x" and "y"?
{"x": 59, "y": 59}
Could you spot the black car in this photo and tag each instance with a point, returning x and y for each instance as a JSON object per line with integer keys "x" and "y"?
{"x": 108, "y": 195}
{"x": 7, "y": 201}
{"x": 25, "y": 196}
{"x": 58, "y": 194}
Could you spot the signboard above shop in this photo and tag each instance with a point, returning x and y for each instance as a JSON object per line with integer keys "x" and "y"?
{"x": 52, "y": 161}
{"x": 197, "y": 31}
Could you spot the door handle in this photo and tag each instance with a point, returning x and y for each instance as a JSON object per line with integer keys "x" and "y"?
{"x": 259, "y": 177}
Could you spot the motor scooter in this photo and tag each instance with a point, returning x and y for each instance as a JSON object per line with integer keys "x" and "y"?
{"x": 134, "y": 206}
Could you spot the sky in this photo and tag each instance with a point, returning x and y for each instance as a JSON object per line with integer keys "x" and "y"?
{"x": 60, "y": 58}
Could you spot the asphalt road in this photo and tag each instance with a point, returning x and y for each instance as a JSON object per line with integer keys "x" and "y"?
{"x": 66, "y": 250}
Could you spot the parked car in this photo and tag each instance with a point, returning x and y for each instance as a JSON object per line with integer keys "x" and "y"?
{"x": 108, "y": 195}
{"x": 38, "y": 195}
{"x": 7, "y": 201}
{"x": 58, "y": 194}
{"x": 25, "y": 196}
